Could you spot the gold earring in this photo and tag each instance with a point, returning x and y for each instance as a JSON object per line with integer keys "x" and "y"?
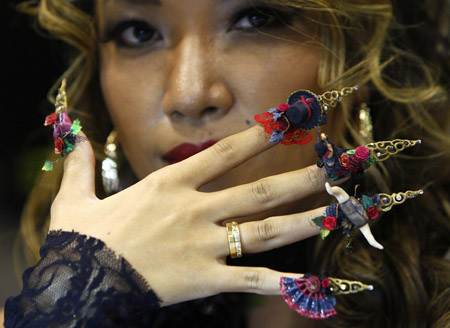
{"x": 110, "y": 173}
{"x": 365, "y": 123}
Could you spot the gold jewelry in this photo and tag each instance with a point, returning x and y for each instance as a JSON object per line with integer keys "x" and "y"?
{"x": 110, "y": 174}
{"x": 365, "y": 123}
{"x": 234, "y": 239}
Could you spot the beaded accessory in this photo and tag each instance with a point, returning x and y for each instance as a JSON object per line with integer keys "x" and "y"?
{"x": 352, "y": 211}
{"x": 64, "y": 131}
{"x": 304, "y": 110}
{"x": 342, "y": 162}
{"x": 313, "y": 296}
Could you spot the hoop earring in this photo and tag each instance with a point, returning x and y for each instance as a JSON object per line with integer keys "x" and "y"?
{"x": 110, "y": 174}
{"x": 365, "y": 123}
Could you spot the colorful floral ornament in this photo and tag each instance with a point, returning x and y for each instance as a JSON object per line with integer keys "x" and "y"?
{"x": 64, "y": 131}
{"x": 351, "y": 212}
{"x": 304, "y": 110}
{"x": 341, "y": 162}
{"x": 313, "y": 296}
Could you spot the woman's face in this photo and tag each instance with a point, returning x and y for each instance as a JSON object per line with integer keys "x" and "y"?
{"x": 196, "y": 71}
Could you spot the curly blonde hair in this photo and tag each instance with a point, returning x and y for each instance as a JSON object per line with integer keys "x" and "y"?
{"x": 407, "y": 100}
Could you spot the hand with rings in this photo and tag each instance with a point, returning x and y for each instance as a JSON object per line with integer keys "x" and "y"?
{"x": 174, "y": 235}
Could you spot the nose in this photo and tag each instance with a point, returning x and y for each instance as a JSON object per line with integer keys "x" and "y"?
{"x": 195, "y": 89}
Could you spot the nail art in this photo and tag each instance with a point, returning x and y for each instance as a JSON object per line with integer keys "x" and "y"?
{"x": 64, "y": 130}
{"x": 288, "y": 122}
{"x": 351, "y": 212}
{"x": 342, "y": 162}
{"x": 313, "y": 296}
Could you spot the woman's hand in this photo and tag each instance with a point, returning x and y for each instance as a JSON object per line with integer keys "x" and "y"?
{"x": 173, "y": 235}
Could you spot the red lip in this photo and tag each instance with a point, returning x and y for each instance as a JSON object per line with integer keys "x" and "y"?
{"x": 186, "y": 150}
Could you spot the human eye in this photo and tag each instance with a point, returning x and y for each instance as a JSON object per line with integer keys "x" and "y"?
{"x": 259, "y": 18}
{"x": 132, "y": 34}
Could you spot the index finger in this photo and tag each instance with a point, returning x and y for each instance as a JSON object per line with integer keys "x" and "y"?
{"x": 225, "y": 155}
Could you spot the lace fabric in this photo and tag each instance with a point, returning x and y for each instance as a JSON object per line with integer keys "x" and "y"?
{"x": 80, "y": 282}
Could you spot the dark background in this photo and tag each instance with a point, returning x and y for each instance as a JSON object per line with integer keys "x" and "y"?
{"x": 29, "y": 66}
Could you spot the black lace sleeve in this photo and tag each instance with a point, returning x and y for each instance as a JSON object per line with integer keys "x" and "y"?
{"x": 79, "y": 282}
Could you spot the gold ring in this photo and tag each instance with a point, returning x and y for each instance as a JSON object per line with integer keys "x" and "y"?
{"x": 234, "y": 240}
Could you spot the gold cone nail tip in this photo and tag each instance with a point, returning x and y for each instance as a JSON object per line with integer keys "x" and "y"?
{"x": 343, "y": 286}
{"x": 388, "y": 201}
{"x": 382, "y": 150}
{"x": 61, "y": 98}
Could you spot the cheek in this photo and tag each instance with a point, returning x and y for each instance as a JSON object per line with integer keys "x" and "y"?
{"x": 130, "y": 94}
{"x": 132, "y": 98}
{"x": 264, "y": 80}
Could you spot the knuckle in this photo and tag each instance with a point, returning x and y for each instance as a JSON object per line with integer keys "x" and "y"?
{"x": 156, "y": 182}
{"x": 263, "y": 191}
{"x": 225, "y": 149}
{"x": 266, "y": 230}
{"x": 313, "y": 176}
{"x": 254, "y": 281}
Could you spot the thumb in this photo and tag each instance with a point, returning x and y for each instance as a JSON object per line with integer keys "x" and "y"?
{"x": 79, "y": 169}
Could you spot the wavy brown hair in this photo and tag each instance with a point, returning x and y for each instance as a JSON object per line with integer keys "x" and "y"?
{"x": 363, "y": 44}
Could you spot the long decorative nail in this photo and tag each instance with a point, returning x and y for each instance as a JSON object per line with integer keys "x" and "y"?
{"x": 313, "y": 296}
{"x": 64, "y": 131}
{"x": 350, "y": 212}
{"x": 304, "y": 110}
{"x": 342, "y": 162}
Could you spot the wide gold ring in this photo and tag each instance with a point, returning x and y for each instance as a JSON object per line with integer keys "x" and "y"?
{"x": 234, "y": 239}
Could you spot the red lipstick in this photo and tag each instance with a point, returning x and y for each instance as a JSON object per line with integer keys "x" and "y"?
{"x": 186, "y": 150}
